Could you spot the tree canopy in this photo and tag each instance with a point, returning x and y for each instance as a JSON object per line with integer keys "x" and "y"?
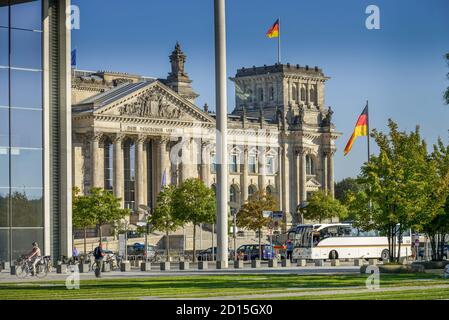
{"x": 322, "y": 206}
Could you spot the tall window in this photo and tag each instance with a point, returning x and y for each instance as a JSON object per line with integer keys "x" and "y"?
{"x": 303, "y": 93}
{"x": 294, "y": 92}
{"x": 252, "y": 162}
{"x": 252, "y": 189}
{"x": 270, "y": 164}
{"x": 233, "y": 195}
{"x": 129, "y": 170}
{"x": 260, "y": 93}
{"x": 213, "y": 162}
{"x": 108, "y": 165}
{"x": 233, "y": 162}
{"x": 21, "y": 130}
{"x": 313, "y": 94}
{"x": 271, "y": 93}
{"x": 310, "y": 165}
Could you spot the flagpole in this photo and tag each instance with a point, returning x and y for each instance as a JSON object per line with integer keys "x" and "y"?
{"x": 367, "y": 129}
{"x": 279, "y": 41}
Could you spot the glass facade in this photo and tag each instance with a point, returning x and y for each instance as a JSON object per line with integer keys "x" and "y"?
{"x": 21, "y": 146}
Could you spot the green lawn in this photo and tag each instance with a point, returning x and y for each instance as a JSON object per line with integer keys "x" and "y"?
{"x": 232, "y": 285}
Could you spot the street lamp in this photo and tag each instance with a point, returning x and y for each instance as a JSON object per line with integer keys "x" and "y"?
{"x": 147, "y": 226}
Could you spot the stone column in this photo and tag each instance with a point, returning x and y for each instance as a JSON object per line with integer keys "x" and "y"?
{"x": 118, "y": 167}
{"x": 244, "y": 176}
{"x": 303, "y": 194}
{"x": 324, "y": 178}
{"x": 330, "y": 165}
{"x": 139, "y": 171}
{"x": 307, "y": 93}
{"x": 277, "y": 178}
{"x": 186, "y": 162}
{"x": 96, "y": 164}
{"x": 262, "y": 168}
{"x": 163, "y": 160}
{"x": 204, "y": 164}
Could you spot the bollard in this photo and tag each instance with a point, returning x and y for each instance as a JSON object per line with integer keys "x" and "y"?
{"x": 5, "y": 265}
{"x": 358, "y": 262}
{"x": 12, "y": 270}
{"x": 272, "y": 263}
{"x": 61, "y": 268}
{"x": 145, "y": 266}
{"x": 165, "y": 266}
{"x": 203, "y": 265}
{"x": 302, "y": 263}
{"x": 255, "y": 263}
{"x": 319, "y": 263}
{"x": 83, "y": 267}
{"x": 285, "y": 263}
{"x": 184, "y": 265}
{"x": 221, "y": 265}
{"x": 335, "y": 262}
{"x": 126, "y": 266}
{"x": 238, "y": 264}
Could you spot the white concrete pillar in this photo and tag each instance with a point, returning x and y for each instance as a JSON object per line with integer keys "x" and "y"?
{"x": 139, "y": 171}
{"x": 330, "y": 161}
{"x": 96, "y": 164}
{"x": 118, "y": 167}
{"x": 244, "y": 176}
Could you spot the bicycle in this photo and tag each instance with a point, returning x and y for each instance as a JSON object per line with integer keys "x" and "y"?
{"x": 24, "y": 267}
{"x": 96, "y": 266}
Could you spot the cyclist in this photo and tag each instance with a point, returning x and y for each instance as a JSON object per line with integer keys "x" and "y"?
{"x": 34, "y": 256}
{"x": 98, "y": 255}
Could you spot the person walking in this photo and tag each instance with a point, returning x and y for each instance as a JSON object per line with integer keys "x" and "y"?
{"x": 289, "y": 249}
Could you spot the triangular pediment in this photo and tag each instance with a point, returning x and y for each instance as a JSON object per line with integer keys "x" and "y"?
{"x": 151, "y": 100}
{"x": 312, "y": 183}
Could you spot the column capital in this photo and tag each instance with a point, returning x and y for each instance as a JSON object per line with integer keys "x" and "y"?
{"x": 141, "y": 138}
{"x": 163, "y": 140}
{"x": 302, "y": 151}
{"x": 118, "y": 137}
{"x": 94, "y": 136}
{"x": 329, "y": 152}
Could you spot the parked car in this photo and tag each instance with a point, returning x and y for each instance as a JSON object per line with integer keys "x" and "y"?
{"x": 206, "y": 255}
{"x": 251, "y": 252}
{"x": 138, "y": 249}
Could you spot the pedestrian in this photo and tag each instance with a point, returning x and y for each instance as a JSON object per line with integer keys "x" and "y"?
{"x": 75, "y": 254}
{"x": 289, "y": 249}
{"x": 98, "y": 255}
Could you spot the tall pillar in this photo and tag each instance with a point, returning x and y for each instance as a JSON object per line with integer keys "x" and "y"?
{"x": 163, "y": 160}
{"x": 118, "y": 168}
{"x": 244, "y": 176}
{"x": 285, "y": 181}
{"x": 96, "y": 164}
{"x": 303, "y": 176}
{"x": 139, "y": 171}
{"x": 204, "y": 164}
{"x": 262, "y": 168}
{"x": 330, "y": 164}
{"x": 277, "y": 179}
{"x": 307, "y": 93}
{"x": 324, "y": 178}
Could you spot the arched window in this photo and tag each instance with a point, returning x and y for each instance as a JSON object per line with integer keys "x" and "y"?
{"x": 233, "y": 195}
{"x": 310, "y": 165}
{"x": 108, "y": 165}
{"x": 294, "y": 92}
{"x": 129, "y": 173}
{"x": 269, "y": 190}
{"x": 313, "y": 94}
{"x": 271, "y": 93}
{"x": 249, "y": 93}
{"x": 303, "y": 93}
{"x": 260, "y": 94}
{"x": 252, "y": 189}
{"x": 252, "y": 161}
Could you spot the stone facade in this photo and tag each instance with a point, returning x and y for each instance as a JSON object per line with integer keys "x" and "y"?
{"x": 131, "y": 133}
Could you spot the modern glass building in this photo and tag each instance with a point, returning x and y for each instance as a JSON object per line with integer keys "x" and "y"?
{"x": 35, "y": 128}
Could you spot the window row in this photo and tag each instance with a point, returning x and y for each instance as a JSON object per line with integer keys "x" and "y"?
{"x": 20, "y": 48}
{"x": 23, "y": 167}
{"x": 22, "y": 127}
{"x": 21, "y": 207}
{"x": 25, "y": 88}
{"x": 253, "y": 164}
{"x": 21, "y": 14}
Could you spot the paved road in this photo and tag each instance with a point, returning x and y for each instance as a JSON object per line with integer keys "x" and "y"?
{"x": 6, "y": 277}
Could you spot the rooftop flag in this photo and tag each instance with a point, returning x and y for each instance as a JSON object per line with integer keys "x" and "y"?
{"x": 273, "y": 32}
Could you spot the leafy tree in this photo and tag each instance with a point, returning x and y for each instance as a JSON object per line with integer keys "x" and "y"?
{"x": 344, "y": 186}
{"x": 396, "y": 180}
{"x": 446, "y": 94}
{"x": 323, "y": 206}
{"x": 194, "y": 202}
{"x": 82, "y": 215}
{"x": 250, "y": 215}
{"x": 163, "y": 218}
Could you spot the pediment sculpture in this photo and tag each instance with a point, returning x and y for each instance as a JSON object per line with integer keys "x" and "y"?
{"x": 151, "y": 104}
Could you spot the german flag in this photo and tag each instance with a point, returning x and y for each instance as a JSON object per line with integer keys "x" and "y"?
{"x": 273, "y": 32}
{"x": 361, "y": 129}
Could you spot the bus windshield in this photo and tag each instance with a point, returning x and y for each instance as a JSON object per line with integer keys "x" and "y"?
{"x": 303, "y": 236}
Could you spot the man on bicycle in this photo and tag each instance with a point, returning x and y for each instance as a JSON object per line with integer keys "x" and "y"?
{"x": 98, "y": 255}
{"x": 34, "y": 256}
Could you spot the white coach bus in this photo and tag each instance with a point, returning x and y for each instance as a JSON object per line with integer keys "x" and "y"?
{"x": 342, "y": 241}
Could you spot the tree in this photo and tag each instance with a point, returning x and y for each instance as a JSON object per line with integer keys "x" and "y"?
{"x": 396, "y": 184}
{"x": 250, "y": 215}
{"x": 82, "y": 215}
{"x": 446, "y": 94}
{"x": 344, "y": 186}
{"x": 163, "y": 218}
{"x": 194, "y": 202}
{"x": 323, "y": 206}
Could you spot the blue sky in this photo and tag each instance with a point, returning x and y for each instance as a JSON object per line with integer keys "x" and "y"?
{"x": 400, "y": 68}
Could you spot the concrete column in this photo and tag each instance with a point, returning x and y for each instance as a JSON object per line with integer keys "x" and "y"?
{"x": 285, "y": 181}
{"x": 330, "y": 164}
{"x": 324, "y": 179}
{"x": 277, "y": 179}
{"x": 303, "y": 176}
{"x": 139, "y": 171}
{"x": 204, "y": 164}
{"x": 222, "y": 131}
{"x": 96, "y": 164}
{"x": 244, "y": 176}
{"x": 118, "y": 168}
